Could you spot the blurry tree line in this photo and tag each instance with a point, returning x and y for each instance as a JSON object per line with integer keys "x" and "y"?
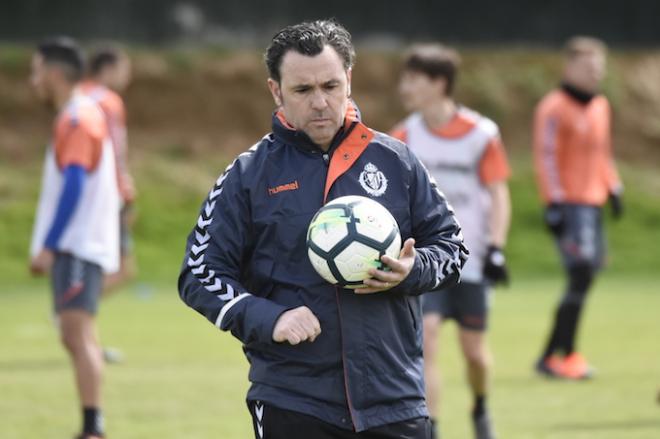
{"x": 239, "y": 23}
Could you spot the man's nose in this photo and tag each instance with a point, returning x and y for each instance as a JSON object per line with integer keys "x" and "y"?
{"x": 319, "y": 101}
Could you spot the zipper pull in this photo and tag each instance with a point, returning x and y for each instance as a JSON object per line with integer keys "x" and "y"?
{"x": 326, "y": 158}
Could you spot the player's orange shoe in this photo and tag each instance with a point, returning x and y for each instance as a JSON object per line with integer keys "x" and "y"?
{"x": 551, "y": 366}
{"x": 575, "y": 367}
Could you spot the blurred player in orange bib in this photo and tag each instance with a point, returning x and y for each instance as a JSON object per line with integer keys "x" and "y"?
{"x": 109, "y": 74}
{"x": 463, "y": 152}
{"x": 76, "y": 232}
{"x": 576, "y": 177}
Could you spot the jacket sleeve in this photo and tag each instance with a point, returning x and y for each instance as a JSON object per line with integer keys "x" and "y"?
{"x": 209, "y": 281}
{"x": 440, "y": 250}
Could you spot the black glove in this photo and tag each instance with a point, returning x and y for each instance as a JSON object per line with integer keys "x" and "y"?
{"x": 616, "y": 205}
{"x": 553, "y": 216}
{"x": 495, "y": 269}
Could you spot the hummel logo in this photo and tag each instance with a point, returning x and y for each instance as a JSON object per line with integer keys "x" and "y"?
{"x": 284, "y": 187}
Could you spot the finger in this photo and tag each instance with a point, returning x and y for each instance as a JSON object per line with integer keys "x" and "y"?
{"x": 408, "y": 248}
{"x": 307, "y": 320}
{"x": 398, "y": 265}
{"x": 36, "y": 270}
{"x": 303, "y": 330}
{"x": 315, "y": 336}
{"x": 293, "y": 338}
{"x": 307, "y": 329}
{"x": 368, "y": 290}
{"x": 385, "y": 276}
{"x": 378, "y": 283}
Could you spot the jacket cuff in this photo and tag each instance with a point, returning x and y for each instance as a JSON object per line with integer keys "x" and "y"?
{"x": 251, "y": 318}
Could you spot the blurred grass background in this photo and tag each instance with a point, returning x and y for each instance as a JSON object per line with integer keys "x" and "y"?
{"x": 182, "y": 378}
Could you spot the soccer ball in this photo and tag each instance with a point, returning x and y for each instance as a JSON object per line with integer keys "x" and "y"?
{"x": 348, "y": 236}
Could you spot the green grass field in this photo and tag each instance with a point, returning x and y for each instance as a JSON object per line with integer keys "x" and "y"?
{"x": 182, "y": 378}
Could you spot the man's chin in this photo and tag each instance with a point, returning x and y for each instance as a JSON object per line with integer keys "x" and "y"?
{"x": 322, "y": 137}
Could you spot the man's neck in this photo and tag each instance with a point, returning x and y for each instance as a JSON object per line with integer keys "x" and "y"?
{"x": 439, "y": 112}
{"x": 579, "y": 94}
{"x": 63, "y": 95}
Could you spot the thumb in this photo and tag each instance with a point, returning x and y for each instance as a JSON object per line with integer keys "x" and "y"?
{"x": 408, "y": 249}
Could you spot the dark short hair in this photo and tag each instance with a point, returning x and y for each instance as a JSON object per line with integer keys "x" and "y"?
{"x": 309, "y": 38}
{"x": 435, "y": 61}
{"x": 583, "y": 45}
{"x": 66, "y": 53}
{"x": 104, "y": 57}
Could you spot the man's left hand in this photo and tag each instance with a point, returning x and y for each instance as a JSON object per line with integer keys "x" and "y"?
{"x": 495, "y": 269}
{"x": 616, "y": 204}
{"x": 42, "y": 262}
{"x": 400, "y": 269}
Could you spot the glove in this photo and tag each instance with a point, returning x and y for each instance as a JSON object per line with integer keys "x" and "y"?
{"x": 495, "y": 269}
{"x": 553, "y": 216}
{"x": 616, "y": 205}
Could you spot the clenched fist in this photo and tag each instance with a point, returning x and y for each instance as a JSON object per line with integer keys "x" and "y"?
{"x": 296, "y": 325}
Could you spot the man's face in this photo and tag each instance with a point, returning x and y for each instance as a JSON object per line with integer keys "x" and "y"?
{"x": 41, "y": 78}
{"x": 586, "y": 71}
{"x": 118, "y": 75}
{"x": 418, "y": 90}
{"x": 313, "y": 93}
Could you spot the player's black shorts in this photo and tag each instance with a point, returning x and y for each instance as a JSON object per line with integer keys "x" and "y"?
{"x": 466, "y": 302}
{"x": 76, "y": 284}
{"x": 275, "y": 423}
{"x": 581, "y": 240}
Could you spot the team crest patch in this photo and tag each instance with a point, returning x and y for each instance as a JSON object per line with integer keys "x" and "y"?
{"x": 373, "y": 181}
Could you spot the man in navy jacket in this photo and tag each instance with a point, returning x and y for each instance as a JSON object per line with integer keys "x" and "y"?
{"x": 324, "y": 361}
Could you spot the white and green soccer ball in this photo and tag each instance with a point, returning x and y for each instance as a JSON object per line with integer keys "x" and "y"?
{"x": 348, "y": 236}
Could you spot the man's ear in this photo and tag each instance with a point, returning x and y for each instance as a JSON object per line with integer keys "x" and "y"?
{"x": 441, "y": 85}
{"x": 349, "y": 75}
{"x": 276, "y": 91}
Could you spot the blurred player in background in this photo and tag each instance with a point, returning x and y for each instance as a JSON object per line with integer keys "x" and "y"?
{"x": 76, "y": 232}
{"x": 464, "y": 154}
{"x": 109, "y": 74}
{"x": 576, "y": 176}
{"x": 325, "y": 362}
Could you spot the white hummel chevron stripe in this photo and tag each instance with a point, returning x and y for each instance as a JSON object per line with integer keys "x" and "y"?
{"x": 259, "y": 412}
{"x": 215, "y": 193}
{"x": 222, "y": 177}
{"x": 208, "y": 278}
{"x": 195, "y": 262}
{"x": 228, "y": 306}
{"x": 202, "y": 223}
{"x": 202, "y": 239}
{"x": 198, "y": 270}
{"x": 217, "y": 286}
{"x": 228, "y": 295}
{"x": 208, "y": 209}
{"x": 198, "y": 248}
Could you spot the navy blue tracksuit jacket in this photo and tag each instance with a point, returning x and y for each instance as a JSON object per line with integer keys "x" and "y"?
{"x": 246, "y": 263}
